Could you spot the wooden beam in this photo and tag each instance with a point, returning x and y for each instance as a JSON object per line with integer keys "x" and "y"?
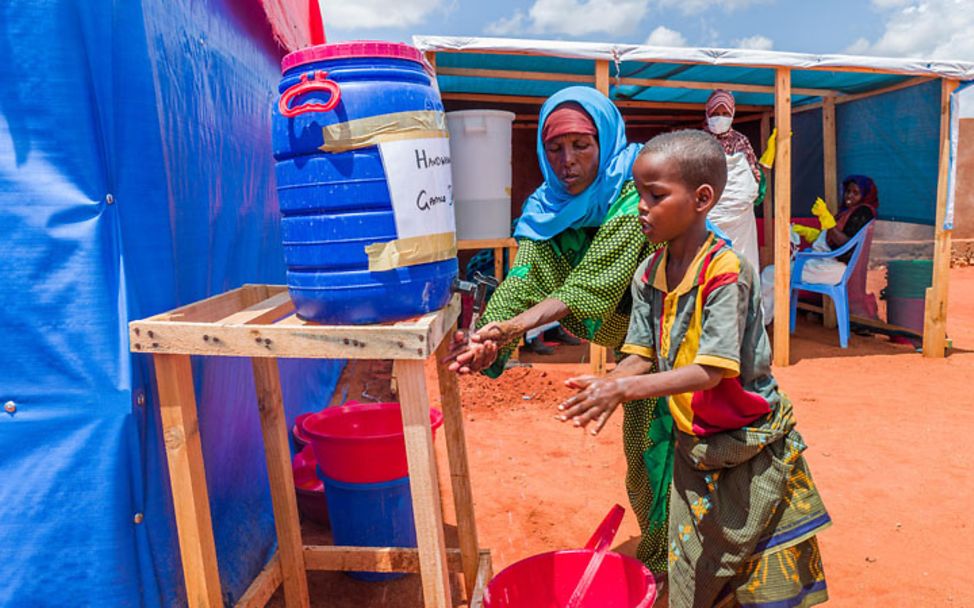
{"x": 187, "y": 478}
{"x": 912, "y": 82}
{"x": 484, "y": 573}
{"x": 602, "y": 76}
{"x": 516, "y": 75}
{"x": 935, "y": 315}
{"x": 710, "y": 86}
{"x": 266, "y": 311}
{"x": 767, "y": 257}
{"x": 370, "y": 559}
{"x": 782, "y": 219}
{"x": 264, "y": 586}
{"x": 486, "y": 243}
{"x": 830, "y": 183}
{"x": 424, "y": 484}
{"x": 674, "y": 105}
{"x": 456, "y": 450}
{"x": 277, "y": 453}
{"x": 622, "y": 103}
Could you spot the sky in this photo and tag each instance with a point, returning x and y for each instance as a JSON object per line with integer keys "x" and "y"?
{"x": 931, "y": 29}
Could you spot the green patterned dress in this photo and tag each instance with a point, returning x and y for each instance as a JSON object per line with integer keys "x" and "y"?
{"x": 590, "y": 271}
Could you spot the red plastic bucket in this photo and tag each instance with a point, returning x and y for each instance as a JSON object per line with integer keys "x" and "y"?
{"x": 309, "y": 488}
{"x": 361, "y": 443}
{"x": 579, "y": 578}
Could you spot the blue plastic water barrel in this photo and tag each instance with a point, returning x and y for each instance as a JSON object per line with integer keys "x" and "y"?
{"x": 371, "y": 515}
{"x": 335, "y": 203}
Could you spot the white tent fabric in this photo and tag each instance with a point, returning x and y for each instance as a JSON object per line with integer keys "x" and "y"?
{"x": 736, "y": 57}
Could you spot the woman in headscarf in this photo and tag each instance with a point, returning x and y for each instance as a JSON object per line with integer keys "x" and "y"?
{"x": 860, "y": 205}
{"x": 579, "y": 244}
{"x": 734, "y": 212}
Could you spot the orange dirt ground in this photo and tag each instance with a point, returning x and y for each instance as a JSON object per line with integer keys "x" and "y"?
{"x": 886, "y": 428}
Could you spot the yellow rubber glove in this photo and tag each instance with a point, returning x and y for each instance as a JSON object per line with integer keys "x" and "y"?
{"x": 806, "y": 232}
{"x": 821, "y": 211}
{"x": 767, "y": 158}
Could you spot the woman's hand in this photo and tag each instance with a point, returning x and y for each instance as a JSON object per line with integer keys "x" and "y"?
{"x": 596, "y": 401}
{"x": 469, "y": 356}
{"x": 498, "y": 332}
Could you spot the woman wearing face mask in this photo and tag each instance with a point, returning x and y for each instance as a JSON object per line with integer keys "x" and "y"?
{"x": 734, "y": 212}
{"x": 579, "y": 244}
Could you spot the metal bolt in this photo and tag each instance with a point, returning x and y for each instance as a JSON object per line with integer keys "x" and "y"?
{"x": 10, "y": 407}
{"x": 140, "y": 399}
{"x": 109, "y": 199}
{"x": 138, "y": 518}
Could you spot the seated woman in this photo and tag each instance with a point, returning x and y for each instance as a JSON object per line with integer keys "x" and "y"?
{"x": 860, "y": 205}
{"x": 579, "y": 243}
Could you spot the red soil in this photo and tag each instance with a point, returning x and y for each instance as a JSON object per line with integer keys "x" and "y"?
{"x": 887, "y": 431}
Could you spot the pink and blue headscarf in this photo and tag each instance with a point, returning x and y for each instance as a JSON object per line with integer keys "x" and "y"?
{"x": 551, "y": 209}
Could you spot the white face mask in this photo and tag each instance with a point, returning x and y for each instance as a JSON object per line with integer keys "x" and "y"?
{"x": 719, "y": 124}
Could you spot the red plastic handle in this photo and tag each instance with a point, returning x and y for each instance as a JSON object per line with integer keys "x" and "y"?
{"x": 320, "y": 82}
{"x": 607, "y": 529}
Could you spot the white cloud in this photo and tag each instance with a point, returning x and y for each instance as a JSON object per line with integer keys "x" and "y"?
{"x": 934, "y": 29}
{"x": 574, "y": 17}
{"x": 692, "y": 7}
{"x": 664, "y": 36}
{"x": 757, "y": 43}
{"x": 366, "y": 14}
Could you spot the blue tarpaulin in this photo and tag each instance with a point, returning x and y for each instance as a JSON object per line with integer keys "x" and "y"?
{"x": 135, "y": 176}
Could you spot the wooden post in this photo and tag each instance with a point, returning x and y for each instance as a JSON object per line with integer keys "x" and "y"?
{"x": 191, "y": 502}
{"x": 277, "y": 453}
{"x": 456, "y": 449}
{"x": 766, "y": 252}
{"x": 782, "y": 219}
{"x": 935, "y": 316}
{"x": 830, "y": 175}
{"x": 423, "y": 484}
{"x": 596, "y": 353}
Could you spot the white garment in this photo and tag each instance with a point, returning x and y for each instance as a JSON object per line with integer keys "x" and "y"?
{"x": 734, "y": 212}
{"x": 826, "y": 271}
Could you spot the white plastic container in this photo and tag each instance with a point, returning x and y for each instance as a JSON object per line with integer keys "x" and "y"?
{"x": 480, "y": 153}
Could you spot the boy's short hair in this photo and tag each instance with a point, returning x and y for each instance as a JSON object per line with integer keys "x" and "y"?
{"x": 699, "y": 156}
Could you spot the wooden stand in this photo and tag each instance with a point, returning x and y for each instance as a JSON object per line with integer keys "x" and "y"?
{"x": 258, "y": 321}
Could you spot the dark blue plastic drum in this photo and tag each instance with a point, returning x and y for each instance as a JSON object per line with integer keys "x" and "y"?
{"x": 335, "y": 202}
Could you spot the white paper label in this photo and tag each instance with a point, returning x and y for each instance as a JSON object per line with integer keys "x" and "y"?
{"x": 420, "y": 184}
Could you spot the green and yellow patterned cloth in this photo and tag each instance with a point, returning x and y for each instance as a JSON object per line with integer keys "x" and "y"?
{"x": 591, "y": 270}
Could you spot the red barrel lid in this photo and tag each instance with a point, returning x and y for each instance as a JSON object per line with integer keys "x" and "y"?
{"x": 356, "y": 48}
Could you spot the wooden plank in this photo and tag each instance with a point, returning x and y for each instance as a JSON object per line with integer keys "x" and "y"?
{"x": 629, "y": 103}
{"x": 602, "y": 76}
{"x": 782, "y": 218}
{"x": 295, "y": 338}
{"x": 370, "y": 559}
{"x": 710, "y": 86}
{"x": 277, "y": 452}
{"x": 187, "y": 477}
{"x": 499, "y": 263}
{"x": 456, "y": 449}
{"x": 768, "y": 205}
{"x": 486, "y": 243}
{"x": 935, "y": 315}
{"x": 485, "y": 572}
{"x": 865, "y": 321}
{"x": 830, "y": 155}
{"x": 264, "y": 586}
{"x": 597, "y": 358}
{"x": 212, "y": 308}
{"x": 515, "y": 75}
{"x": 266, "y": 311}
{"x": 912, "y": 82}
{"x": 424, "y": 484}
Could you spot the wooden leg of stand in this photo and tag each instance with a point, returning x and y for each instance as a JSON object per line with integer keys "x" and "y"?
{"x": 423, "y": 484}
{"x": 456, "y": 447}
{"x": 191, "y": 502}
{"x": 267, "y": 381}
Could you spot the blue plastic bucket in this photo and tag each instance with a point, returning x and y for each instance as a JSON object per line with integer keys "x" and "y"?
{"x": 371, "y": 515}
{"x": 336, "y": 203}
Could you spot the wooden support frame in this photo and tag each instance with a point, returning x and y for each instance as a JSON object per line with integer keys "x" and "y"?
{"x": 498, "y": 245}
{"x": 935, "y": 315}
{"x": 782, "y": 218}
{"x": 830, "y": 185}
{"x": 597, "y": 354}
{"x": 215, "y": 326}
{"x": 622, "y": 103}
{"x": 767, "y": 252}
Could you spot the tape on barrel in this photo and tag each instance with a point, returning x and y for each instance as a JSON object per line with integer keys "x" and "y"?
{"x": 371, "y": 131}
{"x": 412, "y": 251}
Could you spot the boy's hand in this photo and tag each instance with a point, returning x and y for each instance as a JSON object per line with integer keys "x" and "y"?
{"x": 596, "y": 401}
{"x": 467, "y": 357}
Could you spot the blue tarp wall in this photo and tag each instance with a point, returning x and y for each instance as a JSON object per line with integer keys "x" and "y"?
{"x": 135, "y": 176}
